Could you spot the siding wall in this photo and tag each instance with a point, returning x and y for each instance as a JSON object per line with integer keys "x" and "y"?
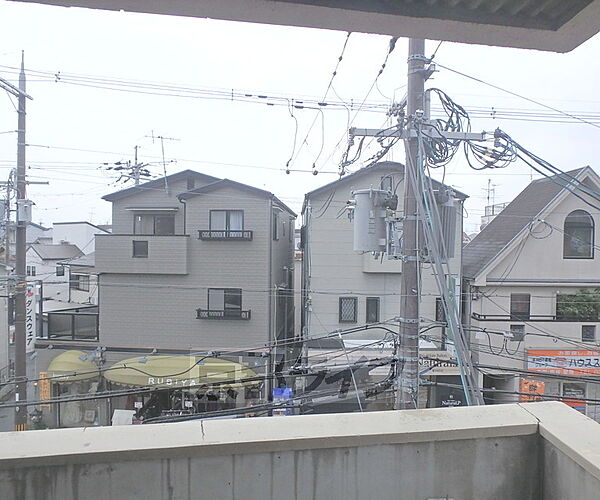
{"x": 143, "y": 310}
{"x": 335, "y": 270}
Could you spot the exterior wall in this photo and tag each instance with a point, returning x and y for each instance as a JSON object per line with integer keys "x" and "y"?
{"x": 332, "y": 269}
{"x": 159, "y": 310}
{"x": 80, "y": 234}
{"x": 83, "y": 296}
{"x": 535, "y": 265}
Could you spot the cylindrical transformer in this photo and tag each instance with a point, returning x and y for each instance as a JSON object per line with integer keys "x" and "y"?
{"x": 369, "y": 220}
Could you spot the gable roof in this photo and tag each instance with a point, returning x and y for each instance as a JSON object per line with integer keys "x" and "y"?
{"x": 184, "y": 174}
{"x": 238, "y": 185}
{"x": 56, "y": 252}
{"x": 511, "y": 221}
{"x": 380, "y": 166}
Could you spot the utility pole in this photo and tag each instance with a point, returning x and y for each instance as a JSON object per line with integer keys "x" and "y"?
{"x": 407, "y": 388}
{"x": 20, "y": 249}
{"x": 136, "y": 168}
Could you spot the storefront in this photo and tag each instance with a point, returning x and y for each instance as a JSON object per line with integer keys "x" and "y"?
{"x": 181, "y": 385}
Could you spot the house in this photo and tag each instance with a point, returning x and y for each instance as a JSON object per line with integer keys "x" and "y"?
{"x": 532, "y": 287}
{"x": 195, "y": 285}
{"x": 344, "y": 289}
{"x": 46, "y": 264}
{"x": 81, "y": 233}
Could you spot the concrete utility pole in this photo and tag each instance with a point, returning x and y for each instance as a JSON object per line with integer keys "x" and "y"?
{"x": 20, "y": 249}
{"x": 407, "y": 387}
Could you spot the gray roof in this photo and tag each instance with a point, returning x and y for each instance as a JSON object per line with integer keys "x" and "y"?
{"x": 56, "y": 252}
{"x": 228, "y": 182}
{"x": 88, "y": 260}
{"x": 184, "y": 174}
{"x": 383, "y": 166}
{"x": 528, "y": 205}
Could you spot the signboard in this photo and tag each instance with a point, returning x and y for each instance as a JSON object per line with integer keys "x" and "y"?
{"x": 30, "y": 318}
{"x": 564, "y": 362}
{"x": 574, "y": 395}
{"x": 44, "y": 388}
{"x": 437, "y": 363}
{"x": 531, "y": 390}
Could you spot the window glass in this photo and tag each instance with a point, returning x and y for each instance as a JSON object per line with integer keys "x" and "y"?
{"x": 588, "y": 333}
{"x": 520, "y": 304}
{"x": 164, "y": 225}
{"x": 218, "y": 220}
{"x": 233, "y": 299}
{"x": 60, "y": 271}
{"x": 518, "y": 332}
{"x": 275, "y": 225}
{"x": 372, "y": 309}
{"x": 578, "y": 240}
{"x": 143, "y": 224}
{"x": 236, "y": 220}
{"x": 140, "y": 249}
{"x": 347, "y": 312}
{"x": 216, "y": 299}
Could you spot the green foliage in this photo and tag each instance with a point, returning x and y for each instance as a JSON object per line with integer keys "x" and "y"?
{"x": 584, "y": 305}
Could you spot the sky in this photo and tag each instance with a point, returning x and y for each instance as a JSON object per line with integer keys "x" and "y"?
{"x": 94, "y": 77}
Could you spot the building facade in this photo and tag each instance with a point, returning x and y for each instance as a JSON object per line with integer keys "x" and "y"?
{"x": 533, "y": 283}
{"x": 344, "y": 289}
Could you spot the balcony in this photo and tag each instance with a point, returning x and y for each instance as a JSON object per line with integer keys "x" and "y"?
{"x": 222, "y": 314}
{"x": 535, "y": 318}
{"x": 115, "y": 253}
{"x": 222, "y": 235}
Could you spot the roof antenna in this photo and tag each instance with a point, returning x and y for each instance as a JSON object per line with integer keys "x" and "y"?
{"x": 162, "y": 147}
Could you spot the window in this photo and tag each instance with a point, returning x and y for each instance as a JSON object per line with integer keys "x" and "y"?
{"x": 80, "y": 282}
{"x": 372, "y": 309}
{"x": 348, "y": 307}
{"x": 191, "y": 183}
{"x": 154, "y": 224}
{"x": 518, "y": 332}
{"x": 227, "y": 223}
{"x": 275, "y": 225}
{"x": 30, "y": 270}
{"x": 588, "y": 333}
{"x": 578, "y": 240}
{"x": 520, "y": 304}
{"x": 292, "y": 230}
{"x": 60, "y": 270}
{"x": 581, "y": 306}
{"x": 140, "y": 249}
{"x": 228, "y": 300}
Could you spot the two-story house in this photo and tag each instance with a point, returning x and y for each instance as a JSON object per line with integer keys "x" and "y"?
{"x": 195, "y": 286}
{"x": 345, "y": 289}
{"x": 533, "y": 289}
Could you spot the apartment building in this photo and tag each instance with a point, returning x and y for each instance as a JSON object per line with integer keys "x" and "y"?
{"x": 532, "y": 280}
{"x": 345, "y": 289}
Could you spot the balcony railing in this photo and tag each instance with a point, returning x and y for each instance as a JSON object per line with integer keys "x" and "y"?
{"x": 222, "y": 314}
{"x": 211, "y": 234}
{"x": 534, "y": 318}
{"x": 74, "y": 324}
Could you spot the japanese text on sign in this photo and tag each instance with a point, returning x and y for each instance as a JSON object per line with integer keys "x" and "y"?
{"x": 564, "y": 362}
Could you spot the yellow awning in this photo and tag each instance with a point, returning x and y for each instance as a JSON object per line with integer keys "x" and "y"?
{"x": 179, "y": 372}
{"x": 71, "y": 366}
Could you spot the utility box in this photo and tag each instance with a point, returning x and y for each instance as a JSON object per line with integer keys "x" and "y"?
{"x": 24, "y": 210}
{"x": 370, "y": 226}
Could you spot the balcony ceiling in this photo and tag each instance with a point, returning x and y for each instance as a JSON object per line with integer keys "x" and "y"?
{"x": 552, "y": 25}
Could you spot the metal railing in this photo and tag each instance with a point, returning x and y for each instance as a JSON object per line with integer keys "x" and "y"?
{"x": 223, "y": 314}
{"x": 535, "y": 318}
{"x": 241, "y": 235}
{"x": 73, "y": 325}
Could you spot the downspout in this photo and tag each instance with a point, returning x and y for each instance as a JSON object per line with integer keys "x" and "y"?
{"x": 271, "y": 358}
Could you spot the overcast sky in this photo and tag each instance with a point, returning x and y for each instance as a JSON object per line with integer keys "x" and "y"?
{"x": 74, "y": 126}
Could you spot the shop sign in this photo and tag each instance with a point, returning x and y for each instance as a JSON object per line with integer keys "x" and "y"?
{"x": 574, "y": 396}
{"x": 30, "y": 318}
{"x": 564, "y": 362}
{"x": 531, "y": 390}
{"x": 44, "y": 388}
{"x": 437, "y": 363}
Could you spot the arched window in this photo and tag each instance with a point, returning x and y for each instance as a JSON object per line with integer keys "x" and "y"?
{"x": 578, "y": 236}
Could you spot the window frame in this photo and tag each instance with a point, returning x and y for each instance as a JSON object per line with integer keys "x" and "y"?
{"x": 137, "y": 255}
{"x": 520, "y": 315}
{"x": 377, "y": 302}
{"x": 588, "y": 340}
{"x": 517, "y": 336}
{"x": 60, "y": 270}
{"x": 275, "y": 225}
{"x": 77, "y": 283}
{"x": 575, "y": 225}
{"x": 228, "y": 212}
{"x": 236, "y": 291}
{"x": 355, "y": 301}
{"x": 154, "y": 216}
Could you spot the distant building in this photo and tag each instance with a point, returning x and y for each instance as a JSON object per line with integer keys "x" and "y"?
{"x": 533, "y": 283}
